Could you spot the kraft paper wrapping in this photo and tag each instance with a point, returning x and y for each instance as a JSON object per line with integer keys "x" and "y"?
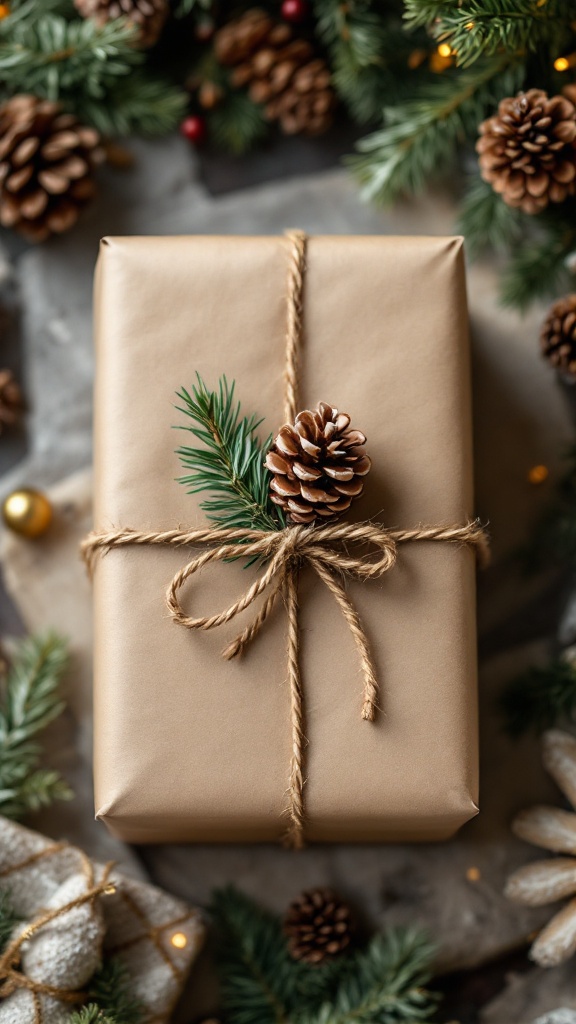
{"x": 189, "y": 747}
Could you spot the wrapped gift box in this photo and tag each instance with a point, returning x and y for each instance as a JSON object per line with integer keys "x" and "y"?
{"x": 189, "y": 747}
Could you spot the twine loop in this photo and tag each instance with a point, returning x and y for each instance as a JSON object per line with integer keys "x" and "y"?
{"x": 336, "y": 553}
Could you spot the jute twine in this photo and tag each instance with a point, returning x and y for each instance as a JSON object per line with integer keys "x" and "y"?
{"x": 11, "y": 975}
{"x": 325, "y": 549}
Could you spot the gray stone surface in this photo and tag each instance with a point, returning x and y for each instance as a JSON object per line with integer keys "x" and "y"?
{"x": 521, "y": 420}
{"x": 538, "y": 993}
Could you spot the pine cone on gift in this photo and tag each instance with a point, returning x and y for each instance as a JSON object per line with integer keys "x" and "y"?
{"x": 558, "y": 336}
{"x": 318, "y": 926}
{"x": 279, "y": 71}
{"x": 11, "y": 401}
{"x": 553, "y": 879}
{"x": 318, "y": 465}
{"x": 148, "y": 16}
{"x": 47, "y": 160}
{"x": 528, "y": 150}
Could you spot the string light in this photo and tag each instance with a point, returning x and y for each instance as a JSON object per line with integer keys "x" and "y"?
{"x": 179, "y": 940}
{"x": 561, "y": 64}
{"x": 444, "y": 49}
{"x": 473, "y": 874}
{"x": 538, "y": 474}
{"x": 4, "y": 10}
{"x": 110, "y": 889}
{"x": 469, "y": 25}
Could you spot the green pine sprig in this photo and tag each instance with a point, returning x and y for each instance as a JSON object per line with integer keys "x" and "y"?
{"x": 229, "y": 462}
{"x": 261, "y": 983}
{"x": 487, "y": 222}
{"x": 29, "y": 700}
{"x": 110, "y": 998}
{"x": 540, "y": 698}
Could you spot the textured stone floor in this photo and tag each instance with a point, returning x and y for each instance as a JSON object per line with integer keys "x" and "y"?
{"x": 521, "y": 418}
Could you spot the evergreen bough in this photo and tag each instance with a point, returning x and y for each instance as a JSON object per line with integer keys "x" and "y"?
{"x": 29, "y": 700}
{"x": 385, "y": 983}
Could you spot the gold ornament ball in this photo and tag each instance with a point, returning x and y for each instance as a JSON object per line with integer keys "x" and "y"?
{"x": 27, "y": 512}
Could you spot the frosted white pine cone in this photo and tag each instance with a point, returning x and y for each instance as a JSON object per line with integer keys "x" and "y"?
{"x": 546, "y": 881}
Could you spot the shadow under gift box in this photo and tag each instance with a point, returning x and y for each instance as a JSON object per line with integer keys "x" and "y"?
{"x": 189, "y": 747}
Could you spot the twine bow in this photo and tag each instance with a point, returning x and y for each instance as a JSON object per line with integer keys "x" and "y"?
{"x": 325, "y": 549}
{"x": 13, "y": 978}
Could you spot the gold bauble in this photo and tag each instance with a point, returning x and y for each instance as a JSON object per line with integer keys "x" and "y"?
{"x": 27, "y": 512}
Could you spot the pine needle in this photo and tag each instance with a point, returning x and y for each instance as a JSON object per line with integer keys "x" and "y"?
{"x": 229, "y": 462}
{"x": 29, "y": 701}
{"x": 486, "y": 221}
{"x": 8, "y": 919}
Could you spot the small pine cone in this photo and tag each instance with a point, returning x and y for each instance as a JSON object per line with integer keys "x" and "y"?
{"x": 279, "y": 70}
{"x": 11, "y": 401}
{"x": 558, "y": 336}
{"x": 528, "y": 150}
{"x": 148, "y": 16}
{"x": 47, "y": 160}
{"x": 318, "y": 465}
{"x": 318, "y": 926}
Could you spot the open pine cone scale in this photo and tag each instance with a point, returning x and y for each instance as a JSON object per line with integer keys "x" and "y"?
{"x": 318, "y": 465}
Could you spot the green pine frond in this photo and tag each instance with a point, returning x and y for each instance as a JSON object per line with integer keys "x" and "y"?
{"x": 540, "y": 697}
{"x": 539, "y": 269}
{"x": 91, "y": 1014}
{"x": 237, "y": 124}
{"x": 53, "y": 57}
{"x": 139, "y": 104}
{"x": 260, "y": 982}
{"x": 29, "y": 700}
{"x": 481, "y": 28}
{"x": 8, "y": 919}
{"x": 486, "y": 221}
{"x": 421, "y": 137}
{"x": 230, "y": 460}
{"x": 110, "y": 991}
{"x": 384, "y": 984}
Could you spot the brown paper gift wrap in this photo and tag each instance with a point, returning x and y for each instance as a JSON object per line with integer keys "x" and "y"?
{"x": 189, "y": 747}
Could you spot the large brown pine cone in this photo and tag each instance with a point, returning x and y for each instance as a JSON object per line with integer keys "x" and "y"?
{"x": 280, "y": 71}
{"x": 318, "y": 465}
{"x": 11, "y": 401}
{"x": 528, "y": 150}
{"x": 558, "y": 337}
{"x": 148, "y": 16}
{"x": 46, "y": 167}
{"x": 318, "y": 926}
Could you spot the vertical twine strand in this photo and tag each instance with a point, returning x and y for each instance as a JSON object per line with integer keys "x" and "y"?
{"x": 294, "y": 325}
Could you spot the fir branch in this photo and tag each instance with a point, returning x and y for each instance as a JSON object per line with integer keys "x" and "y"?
{"x": 539, "y": 269}
{"x": 421, "y": 137}
{"x": 29, "y": 701}
{"x": 384, "y": 984}
{"x": 50, "y": 56}
{"x": 110, "y": 991}
{"x": 487, "y": 221}
{"x": 540, "y": 697}
{"x": 8, "y": 919}
{"x": 481, "y": 28}
{"x": 262, "y": 984}
{"x": 237, "y": 124}
{"x": 230, "y": 463}
{"x": 139, "y": 104}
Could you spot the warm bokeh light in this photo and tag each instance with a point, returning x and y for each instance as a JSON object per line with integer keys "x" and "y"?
{"x": 538, "y": 474}
{"x": 179, "y": 940}
{"x": 444, "y": 49}
{"x": 561, "y": 64}
{"x": 473, "y": 874}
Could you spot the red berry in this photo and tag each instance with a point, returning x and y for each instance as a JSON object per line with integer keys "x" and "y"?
{"x": 294, "y": 10}
{"x": 194, "y": 129}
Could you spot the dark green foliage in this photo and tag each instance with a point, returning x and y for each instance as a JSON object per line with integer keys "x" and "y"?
{"x": 261, "y": 984}
{"x": 8, "y": 919}
{"x": 95, "y": 71}
{"x": 29, "y": 701}
{"x": 554, "y": 539}
{"x": 110, "y": 991}
{"x": 540, "y": 697}
{"x": 421, "y": 136}
{"x": 230, "y": 461}
{"x": 538, "y": 269}
{"x": 236, "y": 124}
{"x": 480, "y": 28}
{"x": 487, "y": 222}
